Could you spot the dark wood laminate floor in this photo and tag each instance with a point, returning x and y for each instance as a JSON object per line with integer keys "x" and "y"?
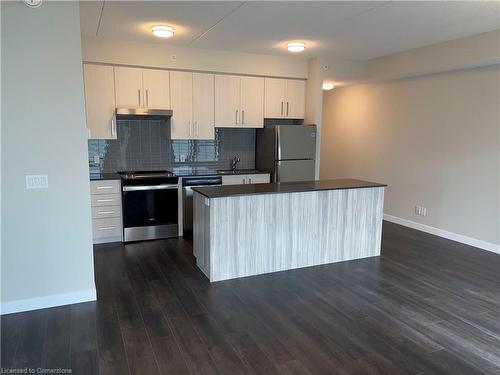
{"x": 426, "y": 306}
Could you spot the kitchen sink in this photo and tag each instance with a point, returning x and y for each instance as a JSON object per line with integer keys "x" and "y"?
{"x": 237, "y": 171}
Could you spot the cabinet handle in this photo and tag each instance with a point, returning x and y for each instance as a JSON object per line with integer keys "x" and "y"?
{"x": 139, "y": 96}
{"x": 189, "y": 128}
{"x": 197, "y": 127}
{"x": 242, "y": 117}
{"x": 113, "y": 128}
{"x": 105, "y": 212}
{"x": 281, "y": 108}
{"x": 104, "y": 187}
{"x": 105, "y": 200}
{"x": 106, "y": 228}
{"x": 147, "y": 98}
{"x": 244, "y": 180}
{"x": 287, "y": 108}
{"x": 249, "y": 180}
{"x": 236, "y": 117}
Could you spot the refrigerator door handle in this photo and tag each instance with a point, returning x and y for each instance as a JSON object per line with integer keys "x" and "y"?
{"x": 278, "y": 143}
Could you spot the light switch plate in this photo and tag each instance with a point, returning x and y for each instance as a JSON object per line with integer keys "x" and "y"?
{"x": 39, "y": 181}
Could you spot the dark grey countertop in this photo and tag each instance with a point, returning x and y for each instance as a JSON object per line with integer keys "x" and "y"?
{"x": 182, "y": 172}
{"x": 104, "y": 176}
{"x": 204, "y": 171}
{"x": 284, "y": 187}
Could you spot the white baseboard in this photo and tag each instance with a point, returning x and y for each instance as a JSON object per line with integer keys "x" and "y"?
{"x": 48, "y": 301}
{"x": 445, "y": 234}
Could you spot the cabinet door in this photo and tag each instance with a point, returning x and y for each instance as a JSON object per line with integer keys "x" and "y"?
{"x": 203, "y": 106}
{"x": 262, "y": 178}
{"x": 227, "y": 101}
{"x": 181, "y": 97}
{"x": 100, "y": 101}
{"x": 295, "y": 98}
{"x": 156, "y": 88}
{"x": 128, "y": 85}
{"x": 252, "y": 102}
{"x": 238, "y": 179}
{"x": 274, "y": 98}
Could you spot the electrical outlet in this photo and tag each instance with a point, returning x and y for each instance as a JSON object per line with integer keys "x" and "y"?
{"x": 97, "y": 159}
{"x": 420, "y": 211}
{"x": 40, "y": 181}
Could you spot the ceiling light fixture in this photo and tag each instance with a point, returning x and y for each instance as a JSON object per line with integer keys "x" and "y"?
{"x": 328, "y": 86}
{"x": 162, "y": 31}
{"x": 296, "y": 46}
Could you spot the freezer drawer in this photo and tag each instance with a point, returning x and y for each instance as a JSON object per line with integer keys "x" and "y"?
{"x": 294, "y": 170}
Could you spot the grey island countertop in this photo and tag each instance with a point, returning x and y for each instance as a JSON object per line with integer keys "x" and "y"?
{"x": 283, "y": 187}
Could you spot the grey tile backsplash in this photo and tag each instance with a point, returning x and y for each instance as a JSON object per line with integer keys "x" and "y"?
{"x": 146, "y": 145}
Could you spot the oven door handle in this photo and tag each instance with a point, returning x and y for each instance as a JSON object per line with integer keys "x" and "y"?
{"x": 151, "y": 187}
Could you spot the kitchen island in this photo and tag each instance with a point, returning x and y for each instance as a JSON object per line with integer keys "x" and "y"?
{"x": 244, "y": 230}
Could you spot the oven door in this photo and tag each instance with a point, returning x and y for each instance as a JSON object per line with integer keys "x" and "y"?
{"x": 150, "y": 212}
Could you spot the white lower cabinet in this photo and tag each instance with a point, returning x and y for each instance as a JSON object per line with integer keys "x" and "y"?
{"x": 107, "y": 230}
{"x": 237, "y": 179}
{"x": 262, "y": 178}
{"x": 241, "y": 179}
{"x": 106, "y": 205}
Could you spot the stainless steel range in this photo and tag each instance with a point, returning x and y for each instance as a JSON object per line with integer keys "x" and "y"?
{"x": 150, "y": 205}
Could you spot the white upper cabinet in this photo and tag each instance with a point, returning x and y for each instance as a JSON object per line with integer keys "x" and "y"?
{"x": 200, "y": 101}
{"x": 295, "y": 96}
{"x": 147, "y": 88}
{"x": 156, "y": 88}
{"x": 239, "y": 101}
{"x": 203, "y": 106}
{"x": 274, "y": 97}
{"x": 284, "y": 98}
{"x": 100, "y": 101}
{"x": 227, "y": 101}
{"x": 181, "y": 88}
{"x": 192, "y": 96}
{"x": 128, "y": 86}
{"x": 252, "y": 102}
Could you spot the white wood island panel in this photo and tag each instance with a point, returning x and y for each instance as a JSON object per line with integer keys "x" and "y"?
{"x": 243, "y": 235}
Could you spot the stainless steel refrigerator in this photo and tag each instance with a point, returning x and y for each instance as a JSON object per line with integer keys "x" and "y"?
{"x": 287, "y": 151}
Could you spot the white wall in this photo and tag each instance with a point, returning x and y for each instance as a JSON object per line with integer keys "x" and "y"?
{"x": 468, "y": 52}
{"x": 314, "y": 104}
{"x": 46, "y": 234}
{"x": 160, "y": 56}
{"x": 434, "y": 139}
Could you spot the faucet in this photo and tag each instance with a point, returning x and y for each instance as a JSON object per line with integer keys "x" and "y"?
{"x": 234, "y": 162}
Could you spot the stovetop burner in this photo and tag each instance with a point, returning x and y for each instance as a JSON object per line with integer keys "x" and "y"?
{"x": 132, "y": 175}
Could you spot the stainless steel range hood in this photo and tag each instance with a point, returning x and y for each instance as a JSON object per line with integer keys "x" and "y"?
{"x": 155, "y": 113}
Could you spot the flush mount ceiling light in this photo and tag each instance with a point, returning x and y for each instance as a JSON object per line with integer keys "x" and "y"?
{"x": 296, "y": 46}
{"x": 162, "y": 31}
{"x": 328, "y": 86}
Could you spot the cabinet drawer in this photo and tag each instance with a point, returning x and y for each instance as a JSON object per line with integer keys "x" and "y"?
{"x": 99, "y": 200}
{"x": 107, "y": 228}
{"x": 105, "y": 187}
{"x": 103, "y": 212}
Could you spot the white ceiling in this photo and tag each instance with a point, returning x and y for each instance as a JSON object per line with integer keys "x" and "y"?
{"x": 358, "y": 30}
